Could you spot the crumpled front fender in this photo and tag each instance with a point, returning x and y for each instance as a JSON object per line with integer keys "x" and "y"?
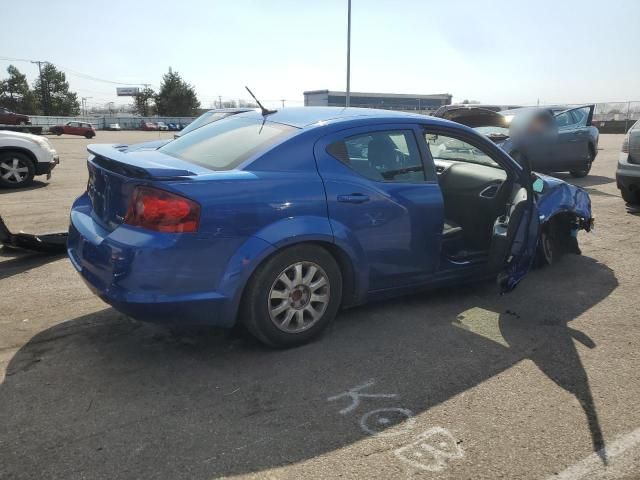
{"x": 558, "y": 196}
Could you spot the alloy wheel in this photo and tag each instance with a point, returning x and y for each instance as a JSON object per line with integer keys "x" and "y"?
{"x": 299, "y": 297}
{"x": 14, "y": 170}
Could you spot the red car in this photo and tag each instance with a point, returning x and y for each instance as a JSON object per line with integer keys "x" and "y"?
{"x": 74, "y": 128}
{"x": 7, "y": 117}
{"x": 148, "y": 126}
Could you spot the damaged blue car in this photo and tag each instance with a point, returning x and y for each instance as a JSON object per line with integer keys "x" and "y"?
{"x": 279, "y": 219}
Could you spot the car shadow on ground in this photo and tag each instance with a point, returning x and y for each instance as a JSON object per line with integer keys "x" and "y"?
{"x": 104, "y": 396}
{"x": 588, "y": 181}
{"x": 35, "y": 185}
{"x": 19, "y": 261}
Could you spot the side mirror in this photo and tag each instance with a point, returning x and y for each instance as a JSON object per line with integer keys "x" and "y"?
{"x": 538, "y": 185}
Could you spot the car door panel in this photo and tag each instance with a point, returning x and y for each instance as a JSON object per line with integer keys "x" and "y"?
{"x": 397, "y": 224}
{"x": 572, "y": 147}
{"x": 515, "y": 232}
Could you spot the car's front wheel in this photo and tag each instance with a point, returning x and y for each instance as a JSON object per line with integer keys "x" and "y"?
{"x": 16, "y": 170}
{"x": 293, "y": 296}
{"x": 583, "y": 172}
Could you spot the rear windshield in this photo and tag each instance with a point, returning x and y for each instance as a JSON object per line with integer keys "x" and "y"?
{"x": 225, "y": 144}
{"x": 205, "y": 118}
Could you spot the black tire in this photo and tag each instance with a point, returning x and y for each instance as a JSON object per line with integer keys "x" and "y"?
{"x": 630, "y": 197}
{"x": 584, "y": 171}
{"x": 22, "y": 122}
{"x": 88, "y": 136}
{"x": 17, "y": 160}
{"x": 548, "y": 251}
{"x": 257, "y": 299}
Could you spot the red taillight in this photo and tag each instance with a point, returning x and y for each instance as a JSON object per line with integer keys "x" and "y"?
{"x": 625, "y": 145}
{"x": 162, "y": 211}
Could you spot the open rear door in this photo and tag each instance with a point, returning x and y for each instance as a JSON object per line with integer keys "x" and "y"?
{"x": 515, "y": 235}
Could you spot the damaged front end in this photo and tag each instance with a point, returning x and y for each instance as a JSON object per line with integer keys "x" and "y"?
{"x": 566, "y": 209}
{"x": 52, "y": 243}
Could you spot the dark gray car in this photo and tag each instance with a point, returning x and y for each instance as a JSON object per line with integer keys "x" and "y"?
{"x": 628, "y": 171}
{"x": 553, "y": 139}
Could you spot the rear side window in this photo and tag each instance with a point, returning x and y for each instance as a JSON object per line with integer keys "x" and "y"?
{"x": 225, "y": 144}
{"x": 381, "y": 156}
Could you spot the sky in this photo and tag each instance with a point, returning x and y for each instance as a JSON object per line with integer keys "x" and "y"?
{"x": 518, "y": 51}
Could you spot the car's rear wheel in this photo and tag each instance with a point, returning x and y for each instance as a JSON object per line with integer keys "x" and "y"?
{"x": 293, "y": 296}
{"x": 630, "y": 197}
{"x": 88, "y": 136}
{"x": 584, "y": 171}
{"x": 16, "y": 170}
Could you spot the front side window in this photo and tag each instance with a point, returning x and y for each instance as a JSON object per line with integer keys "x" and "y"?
{"x": 381, "y": 156}
{"x": 225, "y": 144}
{"x": 443, "y": 147}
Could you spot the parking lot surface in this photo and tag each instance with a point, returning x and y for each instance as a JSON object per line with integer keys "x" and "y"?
{"x": 448, "y": 384}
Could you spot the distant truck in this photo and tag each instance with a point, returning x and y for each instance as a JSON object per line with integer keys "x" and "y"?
{"x": 17, "y": 122}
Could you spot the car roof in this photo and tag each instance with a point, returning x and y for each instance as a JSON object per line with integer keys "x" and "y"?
{"x": 302, "y": 117}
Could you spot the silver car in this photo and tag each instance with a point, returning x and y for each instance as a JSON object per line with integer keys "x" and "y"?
{"x": 628, "y": 171}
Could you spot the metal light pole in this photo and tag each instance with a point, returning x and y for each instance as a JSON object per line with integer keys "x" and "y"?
{"x": 348, "y": 96}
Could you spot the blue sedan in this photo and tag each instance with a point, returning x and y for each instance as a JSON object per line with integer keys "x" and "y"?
{"x": 279, "y": 220}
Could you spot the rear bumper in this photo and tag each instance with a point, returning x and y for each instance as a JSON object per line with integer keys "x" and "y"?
{"x": 43, "y": 168}
{"x": 155, "y": 277}
{"x": 627, "y": 174}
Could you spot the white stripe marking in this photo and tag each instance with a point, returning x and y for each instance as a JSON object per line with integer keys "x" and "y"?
{"x": 593, "y": 463}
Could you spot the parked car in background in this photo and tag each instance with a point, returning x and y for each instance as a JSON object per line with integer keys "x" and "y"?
{"x": 162, "y": 126}
{"x": 346, "y": 205}
{"x": 7, "y": 117}
{"x": 559, "y": 139}
{"x": 148, "y": 126}
{"x": 174, "y": 127}
{"x": 84, "y": 129}
{"x": 114, "y": 127}
{"x": 493, "y": 107}
{"x": 628, "y": 171}
{"x": 23, "y": 156}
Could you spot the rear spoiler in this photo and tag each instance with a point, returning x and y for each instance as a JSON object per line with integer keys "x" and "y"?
{"x": 137, "y": 164}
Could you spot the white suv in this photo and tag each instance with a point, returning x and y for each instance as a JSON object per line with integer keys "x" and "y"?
{"x": 23, "y": 156}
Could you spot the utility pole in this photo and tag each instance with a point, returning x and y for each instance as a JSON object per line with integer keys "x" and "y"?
{"x": 348, "y": 96}
{"x": 283, "y": 100}
{"x": 84, "y": 106}
{"x": 219, "y": 101}
{"x": 44, "y": 91}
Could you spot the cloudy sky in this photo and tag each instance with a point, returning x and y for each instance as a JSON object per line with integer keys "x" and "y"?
{"x": 494, "y": 51}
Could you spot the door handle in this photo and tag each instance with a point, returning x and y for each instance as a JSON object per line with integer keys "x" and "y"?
{"x": 353, "y": 198}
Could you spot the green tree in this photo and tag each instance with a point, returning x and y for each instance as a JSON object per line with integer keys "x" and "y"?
{"x": 52, "y": 93}
{"x": 176, "y": 97}
{"x": 15, "y": 93}
{"x": 144, "y": 102}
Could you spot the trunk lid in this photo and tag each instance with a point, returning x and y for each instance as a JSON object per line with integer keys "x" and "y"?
{"x": 114, "y": 173}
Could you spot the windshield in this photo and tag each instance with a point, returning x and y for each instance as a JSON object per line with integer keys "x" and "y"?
{"x": 225, "y": 144}
{"x": 448, "y": 148}
{"x": 204, "y": 119}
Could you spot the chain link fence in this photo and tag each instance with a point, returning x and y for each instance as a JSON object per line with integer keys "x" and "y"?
{"x": 103, "y": 122}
